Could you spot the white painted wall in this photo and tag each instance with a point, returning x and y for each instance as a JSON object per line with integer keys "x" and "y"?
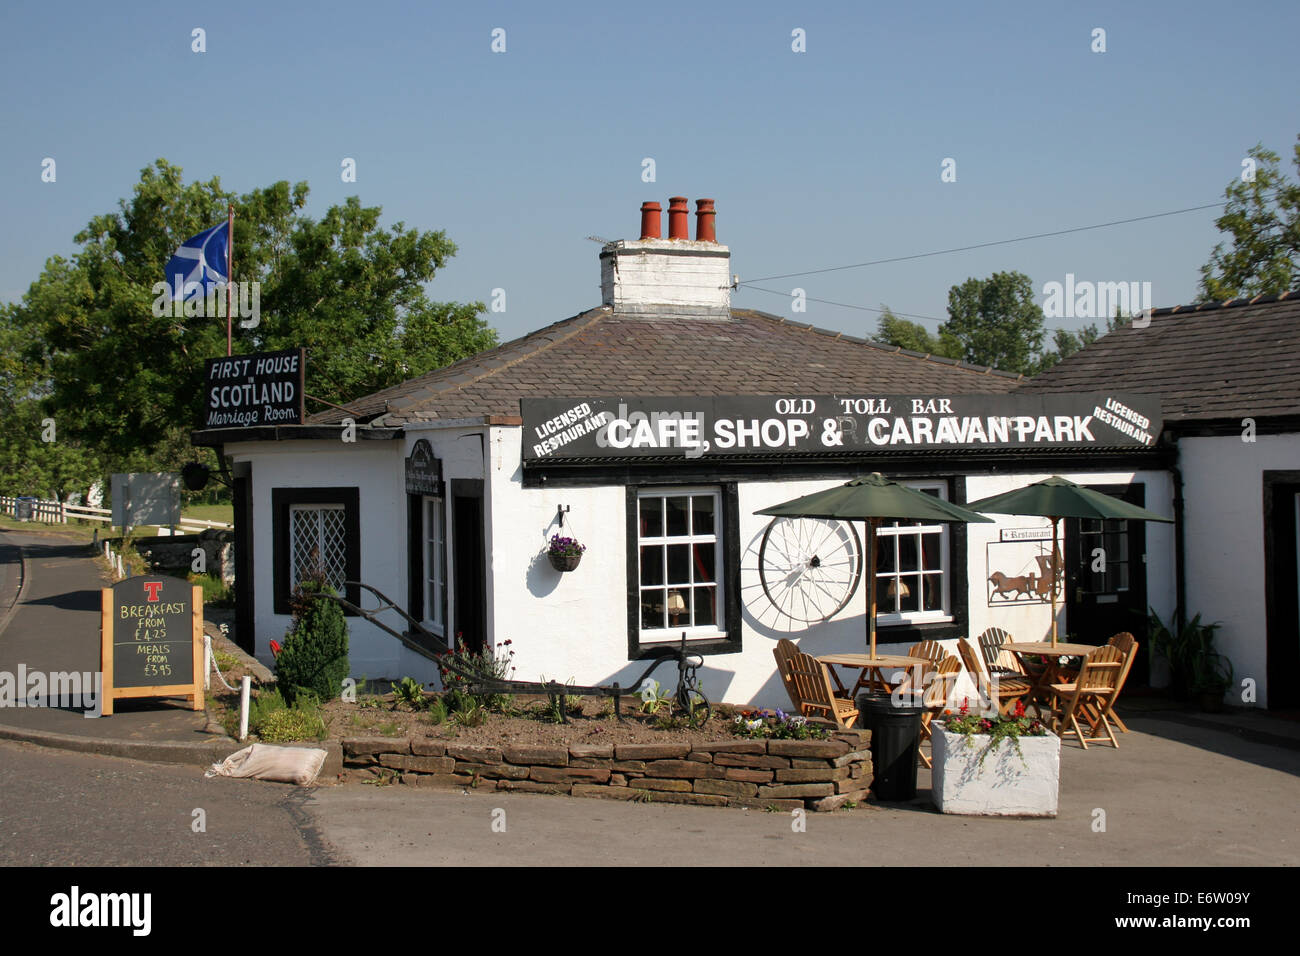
{"x": 1223, "y": 495}
{"x": 376, "y": 468}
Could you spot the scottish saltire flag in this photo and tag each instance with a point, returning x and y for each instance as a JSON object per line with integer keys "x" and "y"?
{"x": 200, "y": 260}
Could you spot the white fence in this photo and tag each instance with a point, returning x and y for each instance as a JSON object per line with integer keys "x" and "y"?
{"x": 57, "y": 512}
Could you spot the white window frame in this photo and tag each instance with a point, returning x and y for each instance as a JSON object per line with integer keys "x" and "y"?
{"x": 295, "y": 577}
{"x": 434, "y": 580}
{"x": 890, "y": 534}
{"x": 717, "y": 630}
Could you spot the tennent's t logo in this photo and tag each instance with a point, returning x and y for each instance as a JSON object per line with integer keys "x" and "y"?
{"x": 151, "y": 589}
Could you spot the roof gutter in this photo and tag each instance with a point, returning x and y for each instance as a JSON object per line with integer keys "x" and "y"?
{"x": 216, "y": 437}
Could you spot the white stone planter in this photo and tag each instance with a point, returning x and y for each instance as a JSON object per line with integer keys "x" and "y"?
{"x": 1005, "y": 786}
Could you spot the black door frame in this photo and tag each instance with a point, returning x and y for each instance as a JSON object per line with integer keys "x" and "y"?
{"x": 476, "y": 583}
{"x": 1281, "y": 609}
{"x": 1134, "y": 493}
{"x": 245, "y": 609}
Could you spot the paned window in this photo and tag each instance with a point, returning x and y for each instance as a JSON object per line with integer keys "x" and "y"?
{"x": 679, "y": 549}
{"x": 318, "y": 540}
{"x": 912, "y": 568}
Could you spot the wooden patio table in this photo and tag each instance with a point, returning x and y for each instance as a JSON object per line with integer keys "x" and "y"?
{"x": 1053, "y": 672}
{"x": 871, "y": 669}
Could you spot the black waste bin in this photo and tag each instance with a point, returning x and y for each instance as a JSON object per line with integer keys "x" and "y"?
{"x": 895, "y": 744}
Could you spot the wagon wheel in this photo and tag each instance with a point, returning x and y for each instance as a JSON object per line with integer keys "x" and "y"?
{"x": 810, "y": 567}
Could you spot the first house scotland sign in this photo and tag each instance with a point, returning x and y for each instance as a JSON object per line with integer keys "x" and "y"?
{"x": 247, "y": 391}
{"x": 706, "y": 426}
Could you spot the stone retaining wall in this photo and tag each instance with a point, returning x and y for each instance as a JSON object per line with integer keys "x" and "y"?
{"x": 782, "y": 774}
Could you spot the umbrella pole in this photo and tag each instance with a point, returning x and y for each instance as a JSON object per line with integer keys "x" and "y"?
{"x": 871, "y": 585}
{"x": 1055, "y": 573}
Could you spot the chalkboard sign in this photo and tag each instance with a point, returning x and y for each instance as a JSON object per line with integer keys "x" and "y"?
{"x": 152, "y": 640}
{"x": 248, "y": 391}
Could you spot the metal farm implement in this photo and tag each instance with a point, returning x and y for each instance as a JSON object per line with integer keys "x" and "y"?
{"x": 688, "y": 697}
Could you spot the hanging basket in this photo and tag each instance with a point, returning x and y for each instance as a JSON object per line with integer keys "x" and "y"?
{"x": 564, "y": 562}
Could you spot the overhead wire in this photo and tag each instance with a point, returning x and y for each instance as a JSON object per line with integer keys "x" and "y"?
{"x": 749, "y": 283}
{"x": 986, "y": 245}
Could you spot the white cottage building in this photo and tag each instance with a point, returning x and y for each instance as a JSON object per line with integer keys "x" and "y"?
{"x": 652, "y": 428}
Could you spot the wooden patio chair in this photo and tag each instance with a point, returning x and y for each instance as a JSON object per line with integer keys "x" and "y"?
{"x": 1090, "y": 695}
{"x": 1004, "y": 691}
{"x": 930, "y": 651}
{"x": 784, "y": 652}
{"x": 937, "y": 694}
{"x": 1128, "y": 646}
{"x": 811, "y": 692}
{"x": 996, "y": 659}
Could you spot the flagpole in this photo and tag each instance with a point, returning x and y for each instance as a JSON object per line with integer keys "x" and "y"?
{"x": 230, "y": 253}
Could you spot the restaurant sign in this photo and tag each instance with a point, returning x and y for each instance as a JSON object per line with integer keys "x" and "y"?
{"x": 704, "y": 427}
{"x": 248, "y": 391}
{"x": 423, "y": 471}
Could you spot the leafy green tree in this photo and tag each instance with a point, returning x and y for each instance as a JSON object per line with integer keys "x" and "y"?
{"x": 35, "y": 457}
{"x": 996, "y": 322}
{"x": 126, "y": 383}
{"x": 1263, "y": 220}
{"x": 913, "y": 336}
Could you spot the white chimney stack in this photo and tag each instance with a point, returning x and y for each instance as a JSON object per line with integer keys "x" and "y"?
{"x": 673, "y": 276}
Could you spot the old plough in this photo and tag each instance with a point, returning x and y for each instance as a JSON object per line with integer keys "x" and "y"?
{"x": 688, "y": 698}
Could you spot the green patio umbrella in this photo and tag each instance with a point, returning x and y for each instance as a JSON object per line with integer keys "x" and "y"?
{"x": 872, "y": 498}
{"x": 1058, "y": 498}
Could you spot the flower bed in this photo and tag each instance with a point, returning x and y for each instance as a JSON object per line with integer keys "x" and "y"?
{"x": 775, "y": 774}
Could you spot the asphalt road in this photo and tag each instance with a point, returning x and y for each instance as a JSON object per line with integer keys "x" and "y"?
{"x": 1174, "y": 795}
{"x": 67, "y": 809}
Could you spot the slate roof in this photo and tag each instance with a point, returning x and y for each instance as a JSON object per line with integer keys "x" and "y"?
{"x": 601, "y": 354}
{"x": 1220, "y": 360}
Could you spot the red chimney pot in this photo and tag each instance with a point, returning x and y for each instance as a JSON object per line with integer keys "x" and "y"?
{"x": 678, "y": 215}
{"x": 651, "y": 221}
{"x": 705, "y": 221}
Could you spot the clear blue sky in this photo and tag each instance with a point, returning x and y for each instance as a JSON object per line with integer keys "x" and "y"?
{"x": 816, "y": 159}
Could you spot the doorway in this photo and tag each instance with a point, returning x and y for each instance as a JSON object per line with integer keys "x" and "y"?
{"x": 1281, "y": 585}
{"x": 469, "y": 584}
{"x": 1106, "y": 578}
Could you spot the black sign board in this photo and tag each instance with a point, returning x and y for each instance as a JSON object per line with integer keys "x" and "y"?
{"x": 152, "y": 639}
{"x": 423, "y": 471}
{"x": 248, "y": 391}
{"x": 705, "y": 427}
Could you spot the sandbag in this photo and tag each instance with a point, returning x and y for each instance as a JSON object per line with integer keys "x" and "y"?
{"x": 298, "y": 765}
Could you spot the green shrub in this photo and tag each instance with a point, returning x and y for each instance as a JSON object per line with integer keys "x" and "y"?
{"x": 315, "y": 652}
{"x": 215, "y": 591}
{"x": 409, "y": 692}
{"x": 469, "y": 713}
{"x": 298, "y": 723}
{"x": 436, "y": 712}
{"x": 263, "y": 703}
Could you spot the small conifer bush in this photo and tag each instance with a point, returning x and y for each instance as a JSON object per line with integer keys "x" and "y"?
{"x": 314, "y": 657}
